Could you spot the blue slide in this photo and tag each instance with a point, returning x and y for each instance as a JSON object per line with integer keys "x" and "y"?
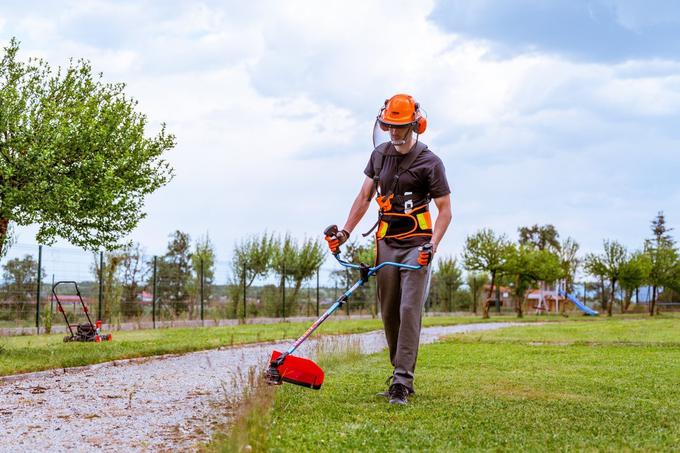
{"x": 580, "y": 305}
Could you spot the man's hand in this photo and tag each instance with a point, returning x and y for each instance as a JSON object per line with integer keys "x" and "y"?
{"x": 336, "y": 240}
{"x": 426, "y": 254}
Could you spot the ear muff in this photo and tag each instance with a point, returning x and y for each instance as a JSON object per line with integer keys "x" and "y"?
{"x": 420, "y": 124}
{"x": 380, "y": 123}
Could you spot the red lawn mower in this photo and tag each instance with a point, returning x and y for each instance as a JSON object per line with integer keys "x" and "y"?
{"x": 83, "y": 332}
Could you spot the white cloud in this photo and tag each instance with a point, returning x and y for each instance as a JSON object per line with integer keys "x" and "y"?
{"x": 273, "y": 105}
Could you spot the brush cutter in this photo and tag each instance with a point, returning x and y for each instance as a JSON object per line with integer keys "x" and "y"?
{"x": 284, "y": 366}
{"x": 83, "y": 332}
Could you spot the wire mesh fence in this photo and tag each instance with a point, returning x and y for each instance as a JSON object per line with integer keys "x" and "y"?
{"x": 131, "y": 287}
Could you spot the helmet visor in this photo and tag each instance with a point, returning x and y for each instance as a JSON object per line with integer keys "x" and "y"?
{"x": 397, "y": 134}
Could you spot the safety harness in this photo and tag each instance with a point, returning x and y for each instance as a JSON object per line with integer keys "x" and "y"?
{"x": 391, "y": 222}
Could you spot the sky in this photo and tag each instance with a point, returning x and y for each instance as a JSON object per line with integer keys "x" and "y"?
{"x": 563, "y": 112}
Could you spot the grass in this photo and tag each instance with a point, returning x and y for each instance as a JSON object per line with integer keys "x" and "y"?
{"x": 34, "y": 353}
{"x": 604, "y": 385}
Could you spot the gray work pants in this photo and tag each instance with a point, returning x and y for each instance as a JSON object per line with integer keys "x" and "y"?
{"x": 402, "y": 295}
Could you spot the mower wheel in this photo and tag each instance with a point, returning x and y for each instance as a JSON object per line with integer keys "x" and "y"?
{"x": 67, "y": 338}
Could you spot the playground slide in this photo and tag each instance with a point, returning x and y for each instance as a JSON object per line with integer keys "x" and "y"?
{"x": 580, "y": 305}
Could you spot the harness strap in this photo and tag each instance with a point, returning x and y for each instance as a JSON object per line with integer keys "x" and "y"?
{"x": 385, "y": 201}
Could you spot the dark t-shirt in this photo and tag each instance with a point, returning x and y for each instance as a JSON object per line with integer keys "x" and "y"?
{"x": 425, "y": 179}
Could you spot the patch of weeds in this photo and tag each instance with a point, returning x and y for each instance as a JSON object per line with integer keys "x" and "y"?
{"x": 249, "y": 427}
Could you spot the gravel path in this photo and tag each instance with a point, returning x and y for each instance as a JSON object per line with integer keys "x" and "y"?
{"x": 167, "y": 403}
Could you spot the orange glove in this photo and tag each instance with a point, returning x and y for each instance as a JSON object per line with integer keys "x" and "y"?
{"x": 335, "y": 241}
{"x": 426, "y": 253}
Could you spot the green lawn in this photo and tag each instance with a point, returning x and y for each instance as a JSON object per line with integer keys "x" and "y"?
{"x": 605, "y": 385}
{"x": 42, "y": 352}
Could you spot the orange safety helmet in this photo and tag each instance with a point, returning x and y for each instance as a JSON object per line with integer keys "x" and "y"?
{"x": 402, "y": 110}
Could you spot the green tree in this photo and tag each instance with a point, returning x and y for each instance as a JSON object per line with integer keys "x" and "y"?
{"x": 252, "y": 258}
{"x": 355, "y": 252}
{"x": 485, "y": 251}
{"x": 133, "y": 273}
{"x": 526, "y": 266}
{"x": 21, "y": 280}
{"x": 608, "y": 264}
{"x": 74, "y": 158}
{"x": 476, "y": 282}
{"x": 202, "y": 258}
{"x": 663, "y": 257}
{"x": 296, "y": 263}
{"x": 543, "y": 237}
{"x": 174, "y": 273}
{"x": 634, "y": 273}
{"x": 570, "y": 262}
{"x": 447, "y": 279}
{"x": 112, "y": 290}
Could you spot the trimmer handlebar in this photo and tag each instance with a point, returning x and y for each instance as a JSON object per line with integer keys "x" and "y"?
{"x": 373, "y": 270}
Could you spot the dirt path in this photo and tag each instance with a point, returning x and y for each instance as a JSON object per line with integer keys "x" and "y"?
{"x": 166, "y": 403}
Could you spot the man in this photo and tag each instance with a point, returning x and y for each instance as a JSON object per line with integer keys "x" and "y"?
{"x": 405, "y": 176}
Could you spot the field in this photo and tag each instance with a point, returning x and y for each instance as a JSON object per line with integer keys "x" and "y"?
{"x": 35, "y": 353}
{"x": 604, "y": 385}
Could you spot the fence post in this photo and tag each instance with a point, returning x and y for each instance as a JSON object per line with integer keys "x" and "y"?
{"x": 245, "y": 291}
{"x": 283, "y": 284}
{"x": 202, "y": 292}
{"x": 101, "y": 283}
{"x": 37, "y": 298}
{"x": 153, "y": 296}
{"x": 317, "y": 292}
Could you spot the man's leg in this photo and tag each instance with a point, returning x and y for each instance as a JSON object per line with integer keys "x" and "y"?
{"x": 414, "y": 285}
{"x": 389, "y": 293}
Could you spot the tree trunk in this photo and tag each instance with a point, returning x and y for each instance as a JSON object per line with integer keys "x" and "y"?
{"x": 603, "y": 294}
{"x": 625, "y": 303}
{"x": 652, "y": 302}
{"x": 474, "y": 298}
{"x": 485, "y": 311}
{"x": 612, "y": 297}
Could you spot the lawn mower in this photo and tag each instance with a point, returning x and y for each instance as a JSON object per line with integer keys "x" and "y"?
{"x": 284, "y": 366}
{"x": 83, "y": 332}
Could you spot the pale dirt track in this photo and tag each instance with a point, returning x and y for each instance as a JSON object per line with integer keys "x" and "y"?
{"x": 168, "y": 403}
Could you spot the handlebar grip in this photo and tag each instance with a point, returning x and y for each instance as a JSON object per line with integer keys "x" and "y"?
{"x": 331, "y": 231}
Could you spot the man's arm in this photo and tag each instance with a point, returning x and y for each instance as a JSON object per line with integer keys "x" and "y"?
{"x": 360, "y": 205}
{"x": 443, "y": 219}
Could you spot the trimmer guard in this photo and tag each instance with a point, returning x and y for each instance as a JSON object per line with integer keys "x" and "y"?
{"x": 299, "y": 371}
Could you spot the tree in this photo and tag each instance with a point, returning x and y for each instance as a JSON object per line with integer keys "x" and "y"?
{"x": 174, "y": 273}
{"x": 634, "y": 273}
{"x": 544, "y": 237}
{"x": 296, "y": 263}
{"x": 21, "y": 277}
{"x": 203, "y": 259}
{"x": 448, "y": 278}
{"x": 608, "y": 265}
{"x": 526, "y": 265}
{"x": 485, "y": 251}
{"x": 133, "y": 273}
{"x": 663, "y": 257}
{"x": 355, "y": 252}
{"x": 476, "y": 282}
{"x": 569, "y": 261}
{"x": 74, "y": 158}
{"x": 112, "y": 290}
{"x": 254, "y": 255}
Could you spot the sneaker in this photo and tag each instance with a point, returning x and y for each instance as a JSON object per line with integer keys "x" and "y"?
{"x": 398, "y": 394}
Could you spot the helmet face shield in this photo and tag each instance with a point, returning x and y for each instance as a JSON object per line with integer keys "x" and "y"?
{"x": 397, "y": 134}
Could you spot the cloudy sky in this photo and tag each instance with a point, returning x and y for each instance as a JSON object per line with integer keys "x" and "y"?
{"x": 562, "y": 112}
